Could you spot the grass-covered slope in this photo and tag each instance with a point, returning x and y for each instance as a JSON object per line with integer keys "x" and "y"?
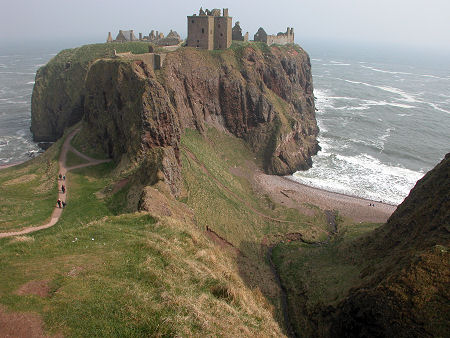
{"x": 103, "y": 271}
{"x": 28, "y": 191}
{"x": 390, "y": 282}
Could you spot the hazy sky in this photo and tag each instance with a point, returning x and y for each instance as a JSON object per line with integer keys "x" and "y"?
{"x": 419, "y": 23}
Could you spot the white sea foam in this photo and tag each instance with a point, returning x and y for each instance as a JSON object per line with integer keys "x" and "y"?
{"x": 404, "y": 73}
{"x": 404, "y": 96}
{"x": 361, "y": 175}
{"x": 31, "y": 82}
{"x": 435, "y": 106}
{"x": 336, "y": 64}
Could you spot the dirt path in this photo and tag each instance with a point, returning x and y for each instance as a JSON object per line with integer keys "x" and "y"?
{"x": 56, "y": 214}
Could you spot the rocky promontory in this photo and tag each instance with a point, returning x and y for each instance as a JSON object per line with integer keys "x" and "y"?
{"x": 261, "y": 94}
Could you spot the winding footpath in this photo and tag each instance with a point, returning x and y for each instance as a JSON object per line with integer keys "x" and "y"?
{"x": 56, "y": 214}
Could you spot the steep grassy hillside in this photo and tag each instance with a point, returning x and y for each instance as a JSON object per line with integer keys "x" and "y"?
{"x": 29, "y": 191}
{"x": 392, "y": 281}
{"x": 104, "y": 271}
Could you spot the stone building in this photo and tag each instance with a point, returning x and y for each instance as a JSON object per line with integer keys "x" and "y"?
{"x": 210, "y": 30}
{"x": 279, "y": 39}
{"x": 125, "y": 36}
{"x": 237, "y": 33}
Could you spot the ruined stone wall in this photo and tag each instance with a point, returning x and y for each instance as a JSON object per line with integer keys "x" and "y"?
{"x": 201, "y": 32}
{"x": 281, "y": 38}
{"x": 152, "y": 60}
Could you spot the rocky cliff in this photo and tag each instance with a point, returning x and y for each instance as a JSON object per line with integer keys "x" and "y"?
{"x": 58, "y": 94}
{"x": 261, "y": 94}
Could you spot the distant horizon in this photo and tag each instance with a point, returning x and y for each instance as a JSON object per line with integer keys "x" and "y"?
{"x": 340, "y": 47}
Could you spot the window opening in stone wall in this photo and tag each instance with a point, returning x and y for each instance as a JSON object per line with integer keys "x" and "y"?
{"x": 203, "y": 31}
{"x": 192, "y": 21}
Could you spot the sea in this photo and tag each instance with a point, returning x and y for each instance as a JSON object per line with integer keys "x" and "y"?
{"x": 384, "y": 122}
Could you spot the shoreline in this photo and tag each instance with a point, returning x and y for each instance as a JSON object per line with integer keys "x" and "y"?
{"x": 294, "y": 194}
{"x": 339, "y": 193}
{"x": 4, "y": 166}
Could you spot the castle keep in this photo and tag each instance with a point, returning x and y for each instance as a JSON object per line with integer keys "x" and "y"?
{"x": 209, "y": 30}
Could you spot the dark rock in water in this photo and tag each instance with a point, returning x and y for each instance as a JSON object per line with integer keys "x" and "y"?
{"x": 45, "y": 145}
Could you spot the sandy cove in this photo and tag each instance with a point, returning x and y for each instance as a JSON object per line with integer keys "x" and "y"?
{"x": 296, "y": 195}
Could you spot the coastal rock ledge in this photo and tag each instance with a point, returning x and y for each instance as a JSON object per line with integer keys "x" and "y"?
{"x": 261, "y": 94}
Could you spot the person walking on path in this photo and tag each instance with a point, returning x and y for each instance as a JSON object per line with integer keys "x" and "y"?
{"x": 60, "y": 176}
{"x": 59, "y": 203}
{"x": 63, "y": 189}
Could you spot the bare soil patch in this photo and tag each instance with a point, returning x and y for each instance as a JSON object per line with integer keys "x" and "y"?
{"x": 35, "y": 287}
{"x": 20, "y": 324}
{"x": 119, "y": 185}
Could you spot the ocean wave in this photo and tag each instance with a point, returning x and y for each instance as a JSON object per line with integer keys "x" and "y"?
{"x": 361, "y": 175}
{"x": 436, "y": 107}
{"x": 30, "y": 82}
{"x": 404, "y": 73}
{"x": 336, "y": 64}
{"x": 407, "y": 97}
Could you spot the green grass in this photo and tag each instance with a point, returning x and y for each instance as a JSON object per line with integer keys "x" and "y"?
{"x": 319, "y": 276}
{"x": 73, "y": 159}
{"x": 225, "y": 212}
{"x": 29, "y": 191}
{"x": 128, "y": 274}
{"x": 83, "y": 143}
{"x": 91, "y": 52}
{"x": 113, "y": 273}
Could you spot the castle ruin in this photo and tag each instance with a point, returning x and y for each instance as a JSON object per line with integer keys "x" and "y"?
{"x": 279, "y": 39}
{"x": 237, "y": 33}
{"x": 210, "y": 30}
{"x": 173, "y": 38}
{"x": 207, "y": 30}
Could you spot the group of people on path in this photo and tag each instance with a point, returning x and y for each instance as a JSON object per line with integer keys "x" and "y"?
{"x": 62, "y": 204}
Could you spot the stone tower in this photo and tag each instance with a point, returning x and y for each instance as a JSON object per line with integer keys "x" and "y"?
{"x": 109, "y": 39}
{"x": 209, "y": 30}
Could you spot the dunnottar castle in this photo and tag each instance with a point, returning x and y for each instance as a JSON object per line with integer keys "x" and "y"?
{"x": 210, "y": 29}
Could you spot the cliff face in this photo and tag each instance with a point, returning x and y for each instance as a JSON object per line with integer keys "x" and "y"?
{"x": 58, "y": 94}
{"x": 263, "y": 95}
{"x": 410, "y": 278}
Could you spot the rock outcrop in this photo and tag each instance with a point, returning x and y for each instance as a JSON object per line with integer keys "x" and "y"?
{"x": 58, "y": 93}
{"x": 261, "y": 94}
